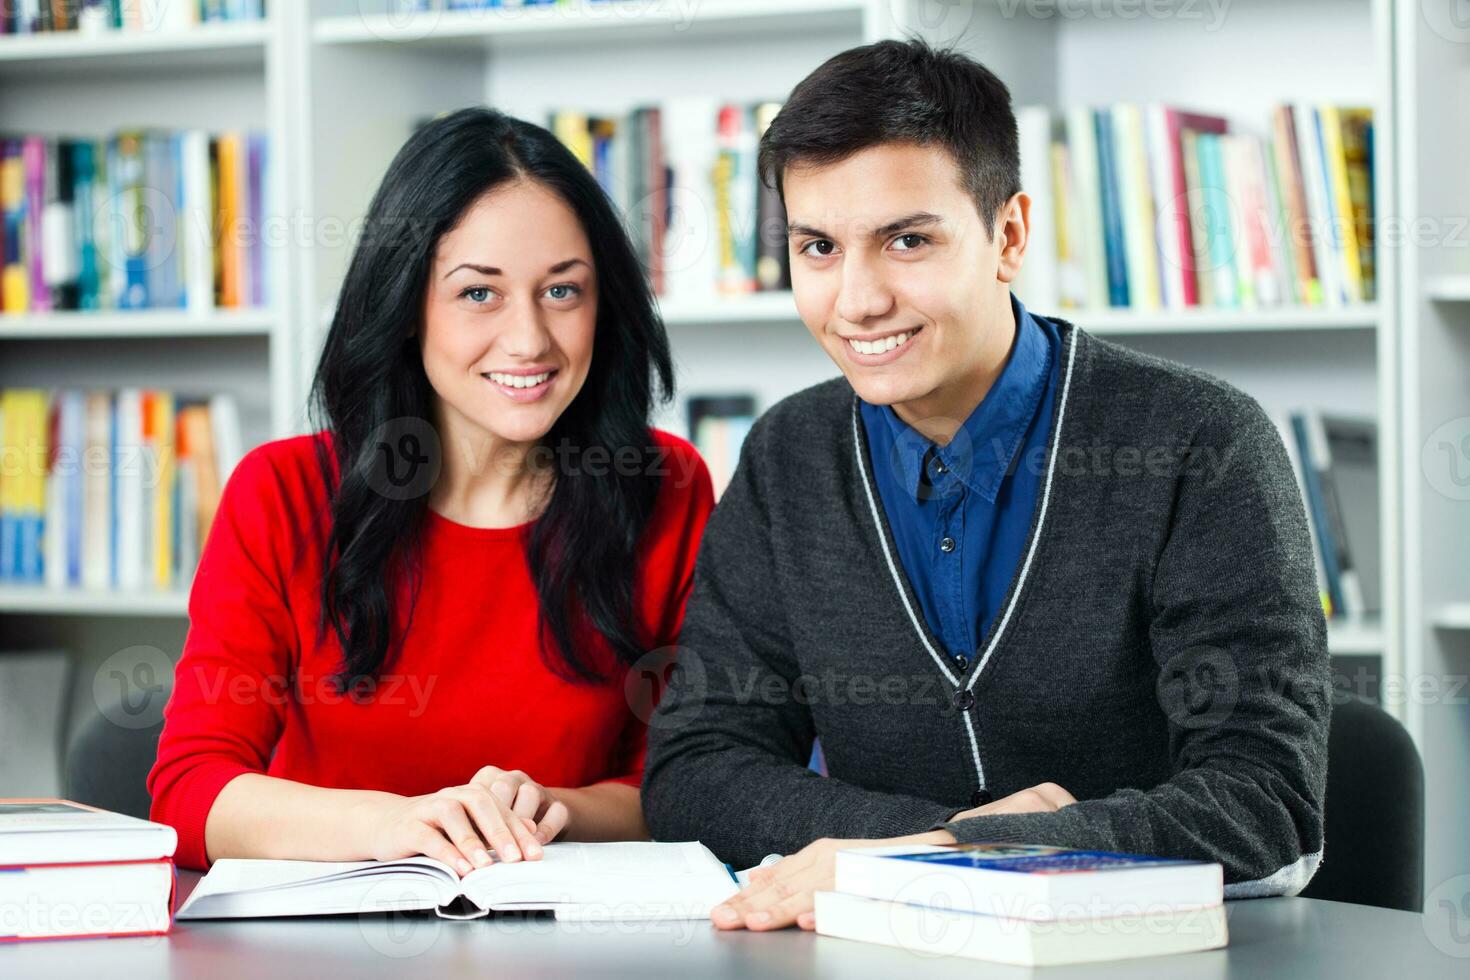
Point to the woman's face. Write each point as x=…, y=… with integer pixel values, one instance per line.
x=509, y=316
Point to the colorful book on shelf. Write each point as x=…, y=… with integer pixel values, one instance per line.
x=15, y=283
x=1151, y=207
x=125, y=487
x=130, y=223
x=773, y=261
x=735, y=200
x=1136, y=207
x=99, y=16
x=1112, y=209
x=718, y=425
x=683, y=176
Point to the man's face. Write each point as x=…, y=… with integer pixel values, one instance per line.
x=896, y=276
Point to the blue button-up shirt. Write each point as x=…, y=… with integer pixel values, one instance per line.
x=961, y=513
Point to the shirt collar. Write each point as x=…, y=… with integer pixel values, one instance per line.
x=982, y=450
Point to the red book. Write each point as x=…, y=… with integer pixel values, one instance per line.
x=70, y=871
x=1175, y=121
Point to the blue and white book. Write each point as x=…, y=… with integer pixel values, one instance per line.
x=1029, y=881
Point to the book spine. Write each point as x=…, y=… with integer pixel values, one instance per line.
x=1117, y=262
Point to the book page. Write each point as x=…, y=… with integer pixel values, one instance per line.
x=229, y=875
x=618, y=880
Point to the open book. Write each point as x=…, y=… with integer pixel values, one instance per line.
x=636, y=880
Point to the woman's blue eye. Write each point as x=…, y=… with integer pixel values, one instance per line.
x=567, y=291
x=476, y=294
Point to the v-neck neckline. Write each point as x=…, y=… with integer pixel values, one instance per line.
x=965, y=680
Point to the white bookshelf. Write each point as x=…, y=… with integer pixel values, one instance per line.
x=70, y=53
x=339, y=88
x=143, y=324
x=597, y=24
x=1433, y=362
x=1453, y=616
x=42, y=601
x=1448, y=288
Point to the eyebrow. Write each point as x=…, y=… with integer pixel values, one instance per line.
x=918, y=219
x=490, y=270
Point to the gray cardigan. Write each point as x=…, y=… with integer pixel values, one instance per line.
x=1161, y=652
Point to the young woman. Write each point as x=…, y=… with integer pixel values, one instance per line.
x=410, y=632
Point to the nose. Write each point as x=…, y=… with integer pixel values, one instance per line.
x=863, y=294
x=524, y=334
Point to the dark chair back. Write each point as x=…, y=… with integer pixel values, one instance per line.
x=107, y=765
x=1375, y=812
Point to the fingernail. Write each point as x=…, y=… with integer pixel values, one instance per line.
x=532, y=851
x=540, y=836
x=482, y=857
x=464, y=867
x=760, y=918
x=726, y=914
x=511, y=853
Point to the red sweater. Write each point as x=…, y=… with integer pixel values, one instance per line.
x=252, y=691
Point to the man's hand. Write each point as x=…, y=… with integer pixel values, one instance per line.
x=1041, y=798
x=781, y=895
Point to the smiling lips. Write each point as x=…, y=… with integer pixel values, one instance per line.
x=881, y=350
x=520, y=387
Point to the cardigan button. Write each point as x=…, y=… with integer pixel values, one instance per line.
x=981, y=797
x=947, y=545
x=963, y=700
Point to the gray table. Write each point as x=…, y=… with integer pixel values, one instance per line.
x=1278, y=937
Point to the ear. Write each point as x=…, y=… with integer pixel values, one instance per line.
x=1012, y=234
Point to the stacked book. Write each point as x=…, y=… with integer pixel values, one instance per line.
x=140, y=220
x=683, y=175
x=1024, y=904
x=98, y=16
x=68, y=870
x=110, y=490
x=1151, y=207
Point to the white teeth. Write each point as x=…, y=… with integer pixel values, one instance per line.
x=518, y=380
x=882, y=346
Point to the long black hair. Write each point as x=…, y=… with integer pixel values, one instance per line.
x=370, y=384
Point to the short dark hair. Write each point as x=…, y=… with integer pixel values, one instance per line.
x=901, y=92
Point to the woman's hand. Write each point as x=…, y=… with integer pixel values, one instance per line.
x=458, y=825
x=527, y=799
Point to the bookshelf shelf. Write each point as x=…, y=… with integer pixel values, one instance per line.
x=142, y=324
x=43, y=601
x=777, y=307
x=209, y=45
x=1449, y=289
x=589, y=23
x=780, y=307
x=1455, y=616
x=1197, y=320
x=1360, y=635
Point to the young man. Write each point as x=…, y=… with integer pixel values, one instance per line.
x=1025, y=585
